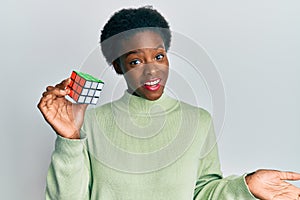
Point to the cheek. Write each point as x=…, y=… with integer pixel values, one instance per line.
x=133, y=76
x=165, y=70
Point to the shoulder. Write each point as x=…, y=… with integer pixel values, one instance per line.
x=202, y=113
x=101, y=110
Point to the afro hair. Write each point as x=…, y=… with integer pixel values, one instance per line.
x=131, y=21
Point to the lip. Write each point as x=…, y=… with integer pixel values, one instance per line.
x=152, y=84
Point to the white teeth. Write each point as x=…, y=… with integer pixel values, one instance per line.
x=153, y=82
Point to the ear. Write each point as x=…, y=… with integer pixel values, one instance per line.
x=117, y=66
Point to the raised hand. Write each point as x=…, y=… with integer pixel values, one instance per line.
x=64, y=117
x=272, y=185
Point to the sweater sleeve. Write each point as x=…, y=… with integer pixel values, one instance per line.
x=69, y=172
x=212, y=186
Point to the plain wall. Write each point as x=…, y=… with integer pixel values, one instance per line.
x=254, y=44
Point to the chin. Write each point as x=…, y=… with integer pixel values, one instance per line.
x=152, y=96
x=149, y=95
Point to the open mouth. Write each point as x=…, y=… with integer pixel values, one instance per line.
x=153, y=84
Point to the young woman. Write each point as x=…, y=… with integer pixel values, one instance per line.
x=154, y=144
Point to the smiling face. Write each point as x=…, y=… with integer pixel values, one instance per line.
x=145, y=66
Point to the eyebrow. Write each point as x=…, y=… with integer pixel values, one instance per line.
x=139, y=50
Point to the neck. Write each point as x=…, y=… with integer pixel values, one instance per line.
x=135, y=104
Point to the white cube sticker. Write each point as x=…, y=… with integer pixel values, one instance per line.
x=88, y=99
x=81, y=99
x=94, y=85
x=84, y=92
x=91, y=93
x=88, y=84
x=97, y=93
x=100, y=86
x=95, y=100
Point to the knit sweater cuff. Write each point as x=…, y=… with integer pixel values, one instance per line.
x=243, y=187
x=69, y=147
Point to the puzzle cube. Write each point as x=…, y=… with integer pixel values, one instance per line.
x=85, y=88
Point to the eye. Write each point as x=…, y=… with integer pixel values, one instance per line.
x=135, y=62
x=159, y=56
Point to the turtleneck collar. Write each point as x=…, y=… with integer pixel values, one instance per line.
x=139, y=106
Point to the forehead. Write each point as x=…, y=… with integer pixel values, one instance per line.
x=141, y=40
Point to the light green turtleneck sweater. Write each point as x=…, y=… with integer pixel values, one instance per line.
x=136, y=149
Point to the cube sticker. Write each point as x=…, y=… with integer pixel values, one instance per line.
x=85, y=88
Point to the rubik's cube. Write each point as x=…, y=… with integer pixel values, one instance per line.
x=85, y=88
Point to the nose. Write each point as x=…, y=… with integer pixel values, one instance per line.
x=150, y=69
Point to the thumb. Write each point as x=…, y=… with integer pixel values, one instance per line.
x=83, y=107
x=290, y=176
x=79, y=109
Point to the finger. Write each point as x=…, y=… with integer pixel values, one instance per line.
x=295, y=189
x=43, y=104
x=63, y=85
x=49, y=102
x=47, y=97
x=56, y=92
x=46, y=93
x=49, y=88
x=292, y=191
x=291, y=176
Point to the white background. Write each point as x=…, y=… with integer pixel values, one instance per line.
x=254, y=44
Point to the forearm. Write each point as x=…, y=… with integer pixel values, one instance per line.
x=68, y=175
x=211, y=185
x=214, y=187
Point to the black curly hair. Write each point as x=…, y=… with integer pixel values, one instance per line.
x=131, y=21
